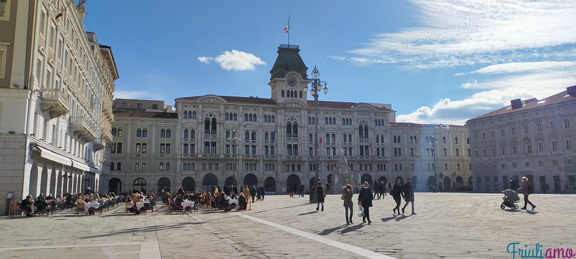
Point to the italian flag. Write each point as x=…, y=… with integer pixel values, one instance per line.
x=287, y=28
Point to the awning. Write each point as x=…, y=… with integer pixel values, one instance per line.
x=49, y=155
x=80, y=165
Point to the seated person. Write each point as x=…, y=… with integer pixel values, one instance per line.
x=242, y=204
x=40, y=202
x=27, y=205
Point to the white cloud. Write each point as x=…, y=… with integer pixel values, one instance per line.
x=497, y=94
x=467, y=32
x=205, y=59
x=525, y=67
x=235, y=60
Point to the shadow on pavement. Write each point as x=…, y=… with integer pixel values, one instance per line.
x=330, y=230
x=307, y=213
x=351, y=228
x=388, y=218
x=136, y=230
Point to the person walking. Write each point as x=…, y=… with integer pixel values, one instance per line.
x=320, y=194
x=397, y=194
x=347, y=195
x=365, y=200
x=408, y=195
x=526, y=189
x=246, y=192
x=301, y=190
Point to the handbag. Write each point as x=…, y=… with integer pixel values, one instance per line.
x=361, y=211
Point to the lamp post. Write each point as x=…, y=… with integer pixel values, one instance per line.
x=317, y=85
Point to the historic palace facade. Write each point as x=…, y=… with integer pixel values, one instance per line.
x=531, y=138
x=279, y=142
x=56, y=93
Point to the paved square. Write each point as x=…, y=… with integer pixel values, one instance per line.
x=447, y=225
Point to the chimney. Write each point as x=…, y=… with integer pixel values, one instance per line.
x=516, y=104
x=571, y=90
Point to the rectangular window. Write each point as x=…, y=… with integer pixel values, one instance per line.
x=566, y=123
x=554, y=145
x=3, y=51
x=552, y=125
x=4, y=10
x=568, y=145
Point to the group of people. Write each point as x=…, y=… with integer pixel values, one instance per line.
x=49, y=203
x=399, y=191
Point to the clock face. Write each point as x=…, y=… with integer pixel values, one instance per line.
x=292, y=80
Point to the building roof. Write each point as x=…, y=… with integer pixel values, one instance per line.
x=560, y=97
x=288, y=60
x=145, y=114
x=417, y=125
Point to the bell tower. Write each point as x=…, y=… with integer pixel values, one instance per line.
x=288, y=75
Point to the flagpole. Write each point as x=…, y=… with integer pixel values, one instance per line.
x=289, y=31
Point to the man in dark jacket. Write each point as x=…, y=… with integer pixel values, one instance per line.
x=408, y=194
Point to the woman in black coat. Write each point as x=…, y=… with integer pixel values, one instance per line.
x=397, y=194
x=365, y=200
x=320, y=194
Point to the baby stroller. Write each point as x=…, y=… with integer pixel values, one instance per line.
x=510, y=199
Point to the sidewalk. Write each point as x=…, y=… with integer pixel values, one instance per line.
x=448, y=225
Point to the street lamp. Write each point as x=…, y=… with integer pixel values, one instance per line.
x=317, y=86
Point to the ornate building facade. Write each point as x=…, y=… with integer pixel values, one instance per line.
x=531, y=138
x=225, y=140
x=56, y=92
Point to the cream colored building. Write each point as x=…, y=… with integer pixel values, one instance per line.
x=56, y=92
x=221, y=140
x=531, y=138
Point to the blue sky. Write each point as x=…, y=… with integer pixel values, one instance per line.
x=434, y=61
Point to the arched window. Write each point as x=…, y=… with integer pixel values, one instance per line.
x=253, y=135
x=185, y=133
x=194, y=115
x=185, y=114
x=192, y=133
x=144, y=133
x=162, y=133
x=120, y=132
x=118, y=166
x=245, y=116
x=114, y=132
x=137, y=166
x=282, y=93
x=112, y=166
x=138, y=132
x=167, y=166
x=168, y=133
x=143, y=166
x=247, y=135
x=161, y=167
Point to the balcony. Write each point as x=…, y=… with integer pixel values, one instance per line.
x=55, y=102
x=82, y=128
x=98, y=145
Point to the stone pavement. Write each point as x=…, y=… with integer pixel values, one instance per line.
x=447, y=225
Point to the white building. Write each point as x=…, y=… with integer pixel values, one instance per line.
x=56, y=87
x=220, y=140
x=531, y=138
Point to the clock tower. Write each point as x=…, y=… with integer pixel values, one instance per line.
x=288, y=75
